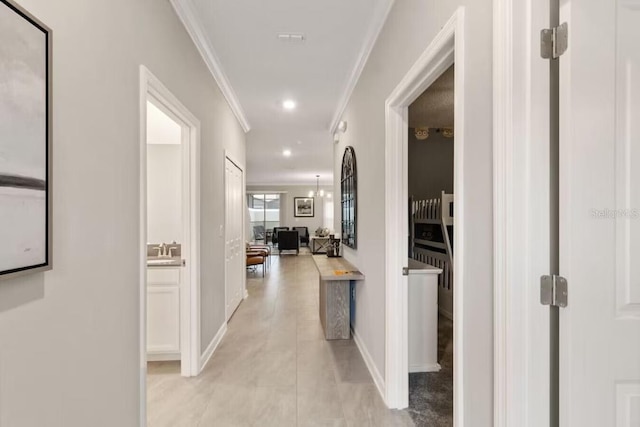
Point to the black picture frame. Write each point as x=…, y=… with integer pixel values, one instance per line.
x=303, y=207
x=26, y=174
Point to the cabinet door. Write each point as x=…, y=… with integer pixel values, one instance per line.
x=163, y=319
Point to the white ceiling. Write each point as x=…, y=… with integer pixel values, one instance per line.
x=263, y=71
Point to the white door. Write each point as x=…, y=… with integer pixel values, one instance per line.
x=600, y=214
x=234, y=245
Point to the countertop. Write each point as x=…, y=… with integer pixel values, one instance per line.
x=164, y=262
x=336, y=268
x=417, y=267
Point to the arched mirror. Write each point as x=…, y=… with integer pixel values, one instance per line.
x=349, y=193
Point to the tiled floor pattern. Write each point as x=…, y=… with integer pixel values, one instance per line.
x=431, y=393
x=273, y=367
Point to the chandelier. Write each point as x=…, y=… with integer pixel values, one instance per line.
x=318, y=192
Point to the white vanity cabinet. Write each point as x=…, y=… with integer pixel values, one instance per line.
x=163, y=313
x=423, y=317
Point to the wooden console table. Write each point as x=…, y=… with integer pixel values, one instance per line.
x=336, y=276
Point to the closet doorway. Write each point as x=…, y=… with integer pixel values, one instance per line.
x=234, y=235
x=426, y=224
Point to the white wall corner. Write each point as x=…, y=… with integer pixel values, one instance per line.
x=380, y=15
x=211, y=348
x=188, y=15
x=378, y=379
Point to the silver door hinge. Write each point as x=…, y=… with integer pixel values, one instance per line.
x=553, y=291
x=554, y=41
x=405, y=271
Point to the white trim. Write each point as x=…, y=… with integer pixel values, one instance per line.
x=142, y=249
x=163, y=357
x=188, y=16
x=446, y=49
x=213, y=345
x=521, y=234
x=152, y=88
x=432, y=367
x=502, y=224
x=380, y=15
x=378, y=379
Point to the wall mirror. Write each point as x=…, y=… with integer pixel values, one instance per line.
x=349, y=193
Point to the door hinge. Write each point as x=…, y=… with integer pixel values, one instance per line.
x=553, y=291
x=554, y=41
x=405, y=271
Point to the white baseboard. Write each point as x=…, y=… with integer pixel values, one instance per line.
x=204, y=358
x=378, y=379
x=162, y=357
x=434, y=367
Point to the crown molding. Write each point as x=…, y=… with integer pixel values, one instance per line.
x=380, y=15
x=188, y=16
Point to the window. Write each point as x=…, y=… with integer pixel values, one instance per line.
x=264, y=214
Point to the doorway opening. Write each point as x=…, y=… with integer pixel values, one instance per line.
x=438, y=208
x=169, y=235
x=264, y=216
x=431, y=229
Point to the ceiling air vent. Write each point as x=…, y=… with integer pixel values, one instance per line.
x=291, y=37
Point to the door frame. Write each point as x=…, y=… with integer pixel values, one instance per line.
x=152, y=89
x=521, y=196
x=229, y=156
x=446, y=49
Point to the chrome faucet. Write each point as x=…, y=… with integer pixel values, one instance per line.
x=162, y=250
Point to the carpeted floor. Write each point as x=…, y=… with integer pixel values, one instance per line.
x=431, y=393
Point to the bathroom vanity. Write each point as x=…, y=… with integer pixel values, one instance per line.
x=164, y=275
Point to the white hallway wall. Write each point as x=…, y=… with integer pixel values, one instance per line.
x=69, y=337
x=409, y=29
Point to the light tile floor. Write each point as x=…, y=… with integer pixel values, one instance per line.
x=273, y=367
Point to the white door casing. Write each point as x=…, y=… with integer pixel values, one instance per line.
x=151, y=88
x=521, y=197
x=234, y=242
x=446, y=48
x=599, y=214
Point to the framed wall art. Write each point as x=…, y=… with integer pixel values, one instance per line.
x=303, y=207
x=25, y=142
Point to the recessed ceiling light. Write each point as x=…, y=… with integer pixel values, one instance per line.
x=286, y=153
x=289, y=104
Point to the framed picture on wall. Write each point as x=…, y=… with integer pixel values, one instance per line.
x=303, y=207
x=25, y=142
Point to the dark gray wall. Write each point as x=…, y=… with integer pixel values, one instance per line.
x=430, y=165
